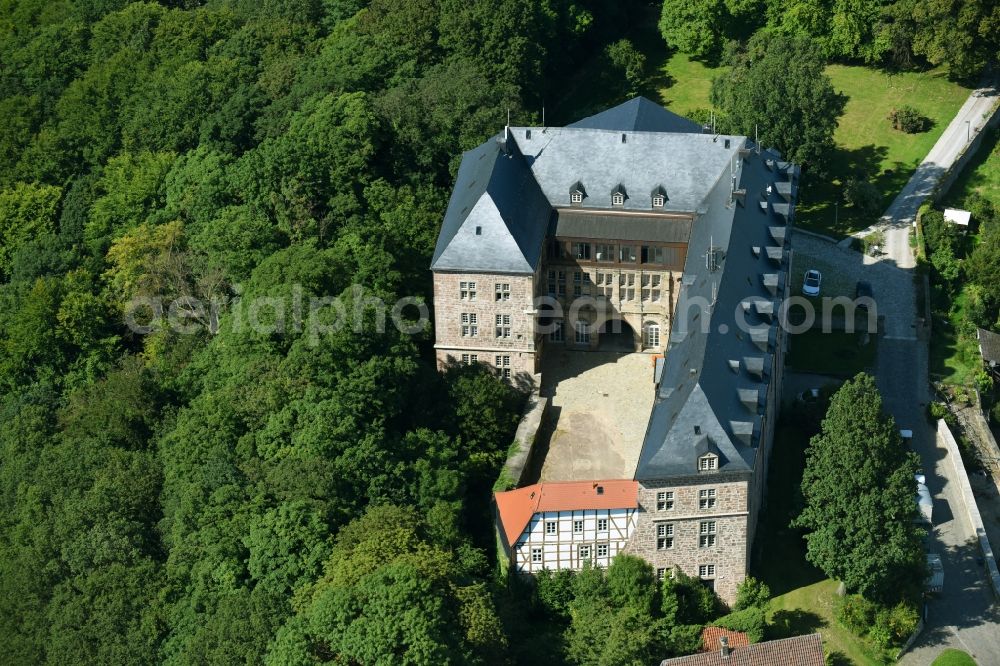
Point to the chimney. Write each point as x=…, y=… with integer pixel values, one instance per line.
x=724, y=644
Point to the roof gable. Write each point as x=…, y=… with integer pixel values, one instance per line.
x=638, y=115
x=516, y=507
x=495, y=193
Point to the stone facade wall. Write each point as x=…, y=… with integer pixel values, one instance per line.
x=637, y=296
x=729, y=555
x=449, y=306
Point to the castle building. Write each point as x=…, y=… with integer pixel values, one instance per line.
x=639, y=226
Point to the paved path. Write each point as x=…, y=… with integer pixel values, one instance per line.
x=964, y=616
x=899, y=217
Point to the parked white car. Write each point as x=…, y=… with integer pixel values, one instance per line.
x=810, y=285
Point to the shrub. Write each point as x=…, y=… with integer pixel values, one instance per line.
x=872, y=239
x=907, y=119
x=554, y=590
x=864, y=196
x=937, y=411
x=752, y=593
x=903, y=620
x=749, y=620
x=857, y=613
x=879, y=633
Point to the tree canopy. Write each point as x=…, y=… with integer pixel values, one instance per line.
x=776, y=90
x=209, y=491
x=859, y=493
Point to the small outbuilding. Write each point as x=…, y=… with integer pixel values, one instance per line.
x=989, y=347
x=958, y=216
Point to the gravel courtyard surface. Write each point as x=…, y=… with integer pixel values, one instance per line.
x=596, y=420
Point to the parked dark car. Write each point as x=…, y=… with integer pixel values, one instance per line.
x=864, y=290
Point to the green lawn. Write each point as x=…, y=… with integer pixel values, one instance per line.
x=954, y=350
x=982, y=175
x=837, y=354
x=868, y=147
x=952, y=657
x=683, y=85
x=805, y=599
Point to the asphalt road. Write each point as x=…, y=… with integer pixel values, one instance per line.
x=964, y=616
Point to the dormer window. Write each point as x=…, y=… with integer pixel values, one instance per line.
x=708, y=463
x=618, y=196
x=659, y=196
x=576, y=197
x=577, y=193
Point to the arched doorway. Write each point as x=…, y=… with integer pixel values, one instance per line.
x=651, y=336
x=616, y=335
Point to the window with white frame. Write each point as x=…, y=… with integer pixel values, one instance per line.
x=664, y=536
x=577, y=527
x=665, y=500
x=617, y=199
x=467, y=291
x=551, y=527
x=469, y=359
x=557, y=334
x=503, y=291
x=576, y=196
x=657, y=201
x=536, y=555
x=708, y=463
x=602, y=550
x=470, y=324
x=584, y=551
x=581, y=250
x=652, y=335
x=582, y=333
x=626, y=253
x=503, y=325
x=503, y=366
x=604, y=252
x=706, y=571
x=602, y=524
x=706, y=498
x=706, y=534
x=577, y=283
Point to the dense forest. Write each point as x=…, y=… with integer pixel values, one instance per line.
x=190, y=489
x=211, y=493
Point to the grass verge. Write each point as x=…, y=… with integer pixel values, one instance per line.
x=954, y=350
x=837, y=354
x=952, y=657
x=981, y=175
x=805, y=600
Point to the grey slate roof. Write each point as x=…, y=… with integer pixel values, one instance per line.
x=712, y=366
x=685, y=165
x=989, y=346
x=496, y=192
x=572, y=222
x=638, y=115
x=516, y=191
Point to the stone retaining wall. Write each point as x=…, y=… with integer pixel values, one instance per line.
x=519, y=460
x=975, y=519
x=949, y=177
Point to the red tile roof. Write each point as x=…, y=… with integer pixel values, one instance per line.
x=710, y=638
x=796, y=651
x=516, y=507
